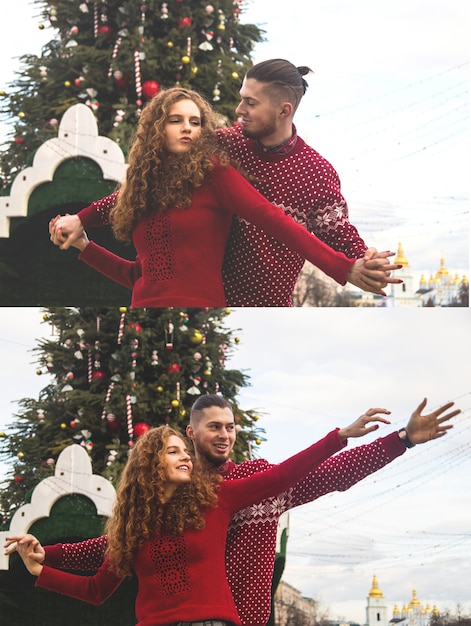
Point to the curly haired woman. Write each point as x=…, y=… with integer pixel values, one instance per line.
x=177, y=205
x=169, y=526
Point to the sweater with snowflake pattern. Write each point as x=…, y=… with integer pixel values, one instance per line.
x=251, y=538
x=182, y=577
x=259, y=271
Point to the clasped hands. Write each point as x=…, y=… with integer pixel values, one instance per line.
x=373, y=271
x=67, y=231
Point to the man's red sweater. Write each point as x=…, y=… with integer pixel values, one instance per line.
x=258, y=270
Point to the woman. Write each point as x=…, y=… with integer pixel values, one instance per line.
x=169, y=526
x=177, y=205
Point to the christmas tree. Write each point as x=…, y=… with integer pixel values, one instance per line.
x=116, y=373
x=114, y=55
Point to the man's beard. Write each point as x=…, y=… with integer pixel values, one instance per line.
x=263, y=131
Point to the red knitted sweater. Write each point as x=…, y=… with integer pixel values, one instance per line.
x=181, y=251
x=182, y=577
x=259, y=271
x=251, y=539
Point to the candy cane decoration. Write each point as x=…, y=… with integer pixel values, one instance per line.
x=90, y=366
x=121, y=328
x=95, y=20
x=137, y=73
x=129, y=416
x=114, y=55
x=107, y=399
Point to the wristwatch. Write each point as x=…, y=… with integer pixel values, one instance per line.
x=402, y=432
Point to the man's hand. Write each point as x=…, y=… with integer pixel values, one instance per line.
x=373, y=272
x=423, y=428
x=29, y=549
x=65, y=230
x=360, y=427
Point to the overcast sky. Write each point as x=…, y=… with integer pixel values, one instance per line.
x=388, y=105
x=312, y=370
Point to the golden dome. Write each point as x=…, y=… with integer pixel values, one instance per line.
x=435, y=610
x=414, y=601
x=442, y=271
x=400, y=258
x=395, y=610
x=375, y=591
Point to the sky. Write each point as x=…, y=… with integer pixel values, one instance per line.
x=312, y=370
x=387, y=105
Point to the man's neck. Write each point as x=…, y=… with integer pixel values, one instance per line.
x=277, y=139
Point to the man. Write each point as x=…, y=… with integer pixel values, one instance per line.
x=290, y=174
x=251, y=540
x=258, y=270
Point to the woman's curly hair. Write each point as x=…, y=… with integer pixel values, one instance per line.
x=140, y=512
x=157, y=180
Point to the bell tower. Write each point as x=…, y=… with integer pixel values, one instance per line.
x=376, y=610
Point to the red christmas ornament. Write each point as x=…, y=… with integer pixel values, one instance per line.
x=18, y=479
x=150, y=88
x=173, y=368
x=106, y=31
x=113, y=422
x=185, y=21
x=140, y=429
x=19, y=140
x=120, y=80
x=99, y=375
x=135, y=326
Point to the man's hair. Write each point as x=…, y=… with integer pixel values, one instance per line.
x=206, y=402
x=283, y=80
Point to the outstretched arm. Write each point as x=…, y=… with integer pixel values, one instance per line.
x=280, y=477
x=93, y=589
x=65, y=230
x=344, y=470
x=85, y=555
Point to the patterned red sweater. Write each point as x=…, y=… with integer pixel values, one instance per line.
x=182, y=577
x=181, y=251
x=259, y=271
x=251, y=539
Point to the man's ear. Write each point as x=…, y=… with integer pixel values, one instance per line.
x=190, y=432
x=286, y=109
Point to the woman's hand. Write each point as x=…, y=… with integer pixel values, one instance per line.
x=363, y=425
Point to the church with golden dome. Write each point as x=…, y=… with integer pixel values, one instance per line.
x=440, y=289
x=412, y=613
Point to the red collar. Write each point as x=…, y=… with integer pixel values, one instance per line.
x=281, y=148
